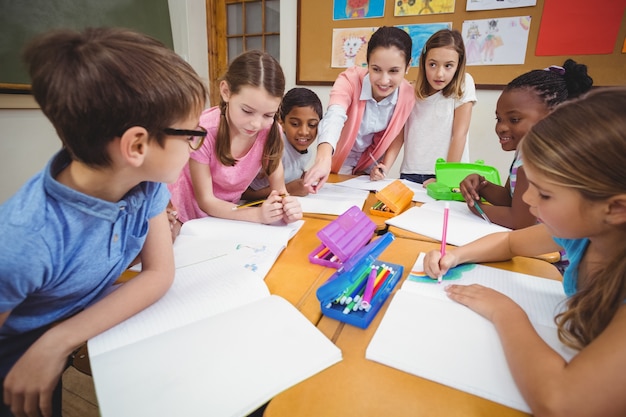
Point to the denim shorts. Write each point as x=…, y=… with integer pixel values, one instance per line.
x=420, y=178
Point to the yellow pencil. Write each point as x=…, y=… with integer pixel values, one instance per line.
x=255, y=203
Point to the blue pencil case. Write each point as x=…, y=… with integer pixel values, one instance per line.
x=338, y=295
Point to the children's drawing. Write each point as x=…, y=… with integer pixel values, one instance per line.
x=350, y=47
x=452, y=274
x=498, y=4
x=472, y=44
x=419, y=35
x=252, y=267
x=358, y=9
x=492, y=41
x=254, y=248
x=422, y=7
x=496, y=41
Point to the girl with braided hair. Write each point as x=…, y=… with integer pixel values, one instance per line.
x=523, y=102
x=243, y=136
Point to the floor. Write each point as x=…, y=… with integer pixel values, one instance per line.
x=79, y=395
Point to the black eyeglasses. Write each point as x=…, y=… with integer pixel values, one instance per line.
x=194, y=138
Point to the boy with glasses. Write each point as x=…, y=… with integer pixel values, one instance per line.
x=120, y=102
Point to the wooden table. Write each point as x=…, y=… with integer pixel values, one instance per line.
x=294, y=277
x=359, y=387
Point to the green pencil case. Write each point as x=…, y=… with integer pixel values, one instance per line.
x=450, y=174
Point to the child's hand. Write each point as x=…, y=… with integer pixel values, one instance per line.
x=470, y=188
x=483, y=300
x=172, y=218
x=379, y=172
x=292, y=210
x=436, y=266
x=272, y=208
x=297, y=188
x=29, y=385
x=428, y=181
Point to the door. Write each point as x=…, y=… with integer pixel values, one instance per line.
x=236, y=26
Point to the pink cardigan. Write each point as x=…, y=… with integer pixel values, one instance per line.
x=346, y=92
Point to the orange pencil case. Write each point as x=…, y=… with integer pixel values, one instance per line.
x=392, y=200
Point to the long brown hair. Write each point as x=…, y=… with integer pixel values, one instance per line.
x=444, y=38
x=582, y=145
x=256, y=69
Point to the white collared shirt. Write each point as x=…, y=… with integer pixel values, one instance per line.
x=375, y=119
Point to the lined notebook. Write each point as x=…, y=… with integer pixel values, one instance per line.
x=217, y=343
x=426, y=334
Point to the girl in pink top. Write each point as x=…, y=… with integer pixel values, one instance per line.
x=243, y=136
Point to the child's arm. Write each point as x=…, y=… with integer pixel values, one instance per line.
x=269, y=212
x=591, y=383
x=474, y=187
x=295, y=187
x=389, y=158
x=33, y=377
x=507, y=211
x=259, y=194
x=517, y=215
x=317, y=176
x=460, y=127
x=531, y=241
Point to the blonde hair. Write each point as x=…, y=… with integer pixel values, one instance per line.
x=444, y=38
x=582, y=145
x=256, y=69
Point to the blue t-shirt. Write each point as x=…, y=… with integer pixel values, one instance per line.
x=575, y=249
x=60, y=250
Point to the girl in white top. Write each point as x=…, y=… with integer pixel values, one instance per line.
x=439, y=122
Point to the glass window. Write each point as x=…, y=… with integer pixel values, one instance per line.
x=272, y=16
x=254, y=18
x=253, y=24
x=235, y=23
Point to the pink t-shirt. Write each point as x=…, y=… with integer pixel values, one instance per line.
x=229, y=182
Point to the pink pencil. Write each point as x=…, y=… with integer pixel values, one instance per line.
x=446, y=210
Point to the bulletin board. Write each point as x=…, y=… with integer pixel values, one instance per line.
x=20, y=20
x=315, y=32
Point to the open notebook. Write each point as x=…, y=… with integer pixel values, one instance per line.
x=427, y=219
x=363, y=182
x=217, y=343
x=332, y=199
x=426, y=334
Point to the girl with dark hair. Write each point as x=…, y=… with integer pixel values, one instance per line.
x=367, y=110
x=525, y=100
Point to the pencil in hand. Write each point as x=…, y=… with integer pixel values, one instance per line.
x=376, y=164
x=481, y=212
x=256, y=202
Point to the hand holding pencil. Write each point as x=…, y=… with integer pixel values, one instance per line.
x=275, y=207
x=379, y=171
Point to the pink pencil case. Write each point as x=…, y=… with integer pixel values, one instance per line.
x=342, y=238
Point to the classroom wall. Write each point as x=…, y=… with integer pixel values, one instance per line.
x=27, y=139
